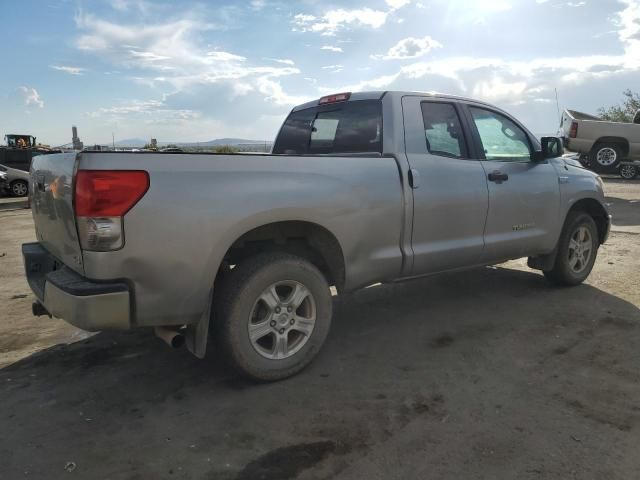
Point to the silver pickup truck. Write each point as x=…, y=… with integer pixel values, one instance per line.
x=602, y=144
x=360, y=188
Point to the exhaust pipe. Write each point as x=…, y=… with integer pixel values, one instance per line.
x=171, y=337
x=39, y=310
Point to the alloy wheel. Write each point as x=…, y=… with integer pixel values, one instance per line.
x=580, y=249
x=282, y=320
x=19, y=189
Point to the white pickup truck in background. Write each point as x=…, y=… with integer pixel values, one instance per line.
x=603, y=145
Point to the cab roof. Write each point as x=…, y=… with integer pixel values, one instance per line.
x=378, y=94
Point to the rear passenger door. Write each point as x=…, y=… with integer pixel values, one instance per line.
x=449, y=188
x=524, y=195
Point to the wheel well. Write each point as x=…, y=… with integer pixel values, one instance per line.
x=595, y=209
x=306, y=239
x=623, y=142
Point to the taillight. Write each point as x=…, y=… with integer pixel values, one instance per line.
x=338, y=97
x=102, y=198
x=573, y=133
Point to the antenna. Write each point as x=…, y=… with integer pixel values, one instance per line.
x=558, y=105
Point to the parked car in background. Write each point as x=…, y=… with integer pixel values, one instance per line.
x=603, y=145
x=3, y=181
x=629, y=170
x=361, y=188
x=17, y=182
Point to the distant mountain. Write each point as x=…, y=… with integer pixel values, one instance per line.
x=139, y=142
x=130, y=142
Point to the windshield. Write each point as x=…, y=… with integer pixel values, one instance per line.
x=348, y=127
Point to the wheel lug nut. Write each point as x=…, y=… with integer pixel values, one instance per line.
x=277, y=309
x=292, y=321
x=289, y=309
x=281, y=330
x=272, y=323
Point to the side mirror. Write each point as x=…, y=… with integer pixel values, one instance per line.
x=551, y=148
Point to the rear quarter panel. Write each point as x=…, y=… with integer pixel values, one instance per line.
x=198, y=205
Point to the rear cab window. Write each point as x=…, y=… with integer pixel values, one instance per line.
x=346, y=127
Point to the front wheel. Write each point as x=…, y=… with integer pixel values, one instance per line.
x=20, y=188
x=577, y=250
x=272, y=315
x=628, y=171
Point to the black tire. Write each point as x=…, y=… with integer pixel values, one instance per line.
x=562, y=272
x=612, y=153
x=234, y=308
x=19, y=188
x=628, y=172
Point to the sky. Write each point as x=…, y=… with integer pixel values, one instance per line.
x=196, y=71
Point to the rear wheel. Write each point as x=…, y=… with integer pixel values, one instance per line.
x=273, y=315
x=605, y=157
x=577, y=250
x=628, y=171
x=19, y=188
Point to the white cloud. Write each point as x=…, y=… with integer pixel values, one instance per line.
x=126, y=5
x=410, y=47
x=497, y=89
x=147, y=111
x=498, y=80
x=496, y=5
x=274, y=93
x=397, y=4
x=284, y=61
x=333, y=68
x=31, y=96
x=334, y=20
x=629, y=33
x=258, y=5
x=69, y=70
x=331, y=48
x=170, y=55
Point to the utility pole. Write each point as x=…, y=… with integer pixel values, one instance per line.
x=558, y=106
x=113, y=140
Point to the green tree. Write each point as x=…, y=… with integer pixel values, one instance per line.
x=623, y=112
x=225, y=149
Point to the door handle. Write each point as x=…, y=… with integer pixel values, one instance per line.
x=498, y=177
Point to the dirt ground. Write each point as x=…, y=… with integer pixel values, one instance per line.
x=487, y=374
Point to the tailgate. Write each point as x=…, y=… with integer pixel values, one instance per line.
x=52, y=207
x=565, y=124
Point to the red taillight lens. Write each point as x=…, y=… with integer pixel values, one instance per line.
x=573, y=133
x=338, y=97
x=108, y=193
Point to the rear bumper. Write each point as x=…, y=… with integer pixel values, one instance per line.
x=86, y=304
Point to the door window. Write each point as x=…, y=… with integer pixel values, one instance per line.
x=442, y=130
x=501, y=138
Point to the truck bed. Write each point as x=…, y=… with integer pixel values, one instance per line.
x=197, y=205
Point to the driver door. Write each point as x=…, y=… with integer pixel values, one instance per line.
x=524, y=195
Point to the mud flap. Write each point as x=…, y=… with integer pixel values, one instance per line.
x=197, y=334
x=543, y=262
